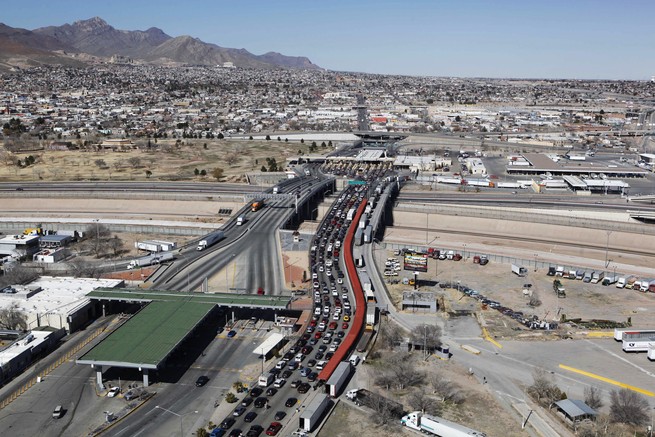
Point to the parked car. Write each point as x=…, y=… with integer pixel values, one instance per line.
x=250, y=417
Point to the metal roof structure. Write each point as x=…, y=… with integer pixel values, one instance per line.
x=575, y=409
x=540, y=163
x=146, y=339
x=151, y=335
x=221, y=299
x=267, y=345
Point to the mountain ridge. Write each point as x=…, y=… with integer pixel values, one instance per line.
x=94, y=37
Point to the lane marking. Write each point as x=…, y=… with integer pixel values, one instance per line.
x=600, y=334
x=619, y=357
x=487, y=337
x=607, y=380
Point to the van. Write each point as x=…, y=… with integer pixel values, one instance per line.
x=59, y=411
x=266, y=380
x=241, y=220
x=354, y=360
x=621, y=282
x=321, y=364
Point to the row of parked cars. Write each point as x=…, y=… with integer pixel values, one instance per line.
x=594, y=277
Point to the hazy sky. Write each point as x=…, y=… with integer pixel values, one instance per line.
x=584, y=39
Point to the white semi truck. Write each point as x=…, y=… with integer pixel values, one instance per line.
x=210, y=239
x=437, y=426
x=149, y=260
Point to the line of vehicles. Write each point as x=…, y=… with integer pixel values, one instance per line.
x=595, y=277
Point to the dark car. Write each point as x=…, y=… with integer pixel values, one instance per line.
x=202, y=380
x=256, y=391
x=296, y=383
x=303, y=388
x=254, y=431
x=239, y=411
x=271, y=391
x=291, y=402
x=227, y=423
x=231, y=334
x=236, y=432
x=318, y=356
x=312, y=377
x=250, y=417
x=246, y=401
x=287, y=374
x=261, y=402
x=280, y=415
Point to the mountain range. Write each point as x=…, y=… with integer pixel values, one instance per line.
x=93, y=39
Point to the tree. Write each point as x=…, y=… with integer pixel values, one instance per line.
x=279, y=139
x=268, y=138
x=100, y=163
x=12, y=318
x=419, y=400
x=203, y=172
x=592, y=397
x=220, y=136
x=196, y=171
x=627, y=406
x=115, y=245
x=302, y=141
x=448, y=391
x=426, y=337
x=231, y=158
x=134, y=161
x=217, y=173
x=263, y=169
x=148, y=174
x=543, y=390
x=202, y=432
x=390, y=336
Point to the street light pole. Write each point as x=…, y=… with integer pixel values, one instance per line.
x=607, y=245
x=181, y=416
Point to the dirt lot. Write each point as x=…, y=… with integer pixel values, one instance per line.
x=169, y=161
x=497, y=282
x=479, y=406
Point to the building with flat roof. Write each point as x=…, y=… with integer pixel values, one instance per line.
x=20, y=354
x=58, y=302
x=19, y=246
x=538, y=164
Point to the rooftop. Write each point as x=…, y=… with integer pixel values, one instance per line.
x=149, y=337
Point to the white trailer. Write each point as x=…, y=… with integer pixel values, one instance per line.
x=651, y=351
x=150, y=246
x=210, y=239
x=641, y=345
x=312, y=415
x=149, y=260
x=437, y=426
x=351, y=214
x=370, y=315
x=339, y=378
x=368, y=234
x=518, y=270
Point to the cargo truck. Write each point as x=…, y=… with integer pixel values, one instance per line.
x=351, y=214
x=597, y=276
x=311, y=416
x=210, y=239
x=437, y=426
x=609, y=280
x=368, y=234
x=241, y=220
x=518, y=270
x=256, y=205
x=149, y=260
x=651, y=351
x=339, y=378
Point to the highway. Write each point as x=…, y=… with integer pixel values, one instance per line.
x=251, y=249
x=117, y=187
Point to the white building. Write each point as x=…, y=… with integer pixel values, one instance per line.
x=475, y=166
x=56, y=302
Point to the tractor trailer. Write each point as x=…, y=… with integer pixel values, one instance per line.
x=437, y=426
x=150, y=260
x=210, y=239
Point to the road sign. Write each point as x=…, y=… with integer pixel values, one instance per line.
x=356, y=182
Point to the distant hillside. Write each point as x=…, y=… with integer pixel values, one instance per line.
x=70, y=43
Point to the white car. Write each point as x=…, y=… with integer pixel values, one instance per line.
x=113, y=392
x=336, y=316
x=339, y=281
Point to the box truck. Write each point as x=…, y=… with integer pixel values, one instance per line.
x=518, y=270
x=437, y=426
x=149, y=260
